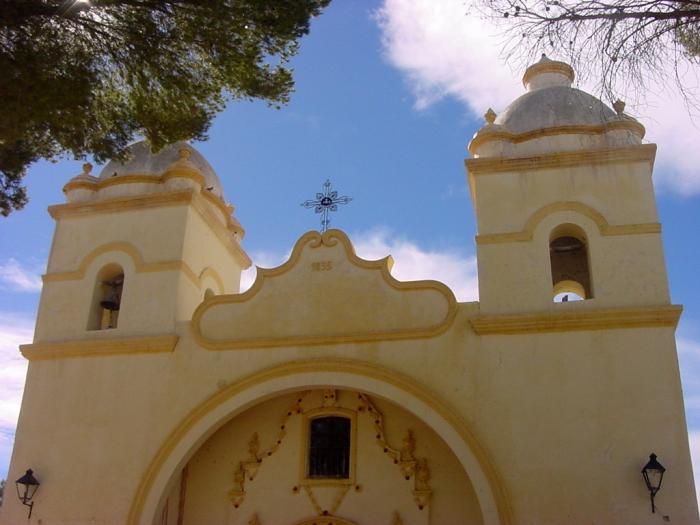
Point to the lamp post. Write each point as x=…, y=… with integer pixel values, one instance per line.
x=653, y=473
x=26, y=487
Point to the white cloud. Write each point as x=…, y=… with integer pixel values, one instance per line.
x=411, y=262
x=445, y=53
x=14, y=330
x=16, y=277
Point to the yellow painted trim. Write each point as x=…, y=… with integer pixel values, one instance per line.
x=211, y=272
x=396, y=379
x=223, y=232
x=315, y=239
x=605, y=228
x=325, y=520
x=314, y=413
x=576, y=320
x=486, y=135
x=99, y=347
x=488, y=165
x=550, y=66
x=140, y=266
x=149, y=200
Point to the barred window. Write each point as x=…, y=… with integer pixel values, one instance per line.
x=329, y=447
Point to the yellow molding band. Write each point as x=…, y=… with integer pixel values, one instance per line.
x=315, y=239
x=488, y=135
x=488, y=165
x=139, y=265
x=605, y=228
x=222, y=230
x=99, y=347
x=568, y=321
x=372, y=371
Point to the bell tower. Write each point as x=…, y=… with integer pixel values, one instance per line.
x=138, y=247
x=562, y=188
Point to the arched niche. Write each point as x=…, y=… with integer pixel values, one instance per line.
x=569, y=263
x=213, y=413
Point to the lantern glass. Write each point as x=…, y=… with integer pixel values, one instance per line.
x=26, y=486
x=653, y=473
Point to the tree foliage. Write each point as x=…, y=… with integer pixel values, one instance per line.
x=85, y=77
x=631, y=43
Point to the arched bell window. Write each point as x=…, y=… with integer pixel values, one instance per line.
x=568, y=255
x=329, y=448
x=107, y=298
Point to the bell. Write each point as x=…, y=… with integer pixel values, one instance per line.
x=111, y=303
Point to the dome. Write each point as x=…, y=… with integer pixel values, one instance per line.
x=142, y=161
x=551, y=101
x=553, y=107
x=554, y=116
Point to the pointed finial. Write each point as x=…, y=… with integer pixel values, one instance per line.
x=490, y=116
x=184, y=152
x=619, y=107
x=87, y=168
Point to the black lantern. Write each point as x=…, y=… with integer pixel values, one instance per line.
x=26, y=487
x=653, y=473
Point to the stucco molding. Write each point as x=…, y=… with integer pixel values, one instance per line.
x=99, y=347
x=570, y=321
x=416, y=328
x=140, y=266
x=489, y=165
x=604, y=227
x=224, y=227
x=493, y=498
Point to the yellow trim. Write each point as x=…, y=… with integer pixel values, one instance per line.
x=315, y=239
x=548, y=66
x=605, y=228
x=99, y=347
x=488, y=165
x=486, y=135
x=211, y=272
x=149, y=200
x=325, y=520
x=304, y=480
x=396, y=379
x=573, y=320
x=139, y=265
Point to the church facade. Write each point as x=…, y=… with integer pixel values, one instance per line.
x=330, y=393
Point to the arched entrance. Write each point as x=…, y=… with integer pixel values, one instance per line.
x=362, y=377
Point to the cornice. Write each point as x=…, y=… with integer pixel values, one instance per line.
x=571, y=321
x=604, y=227
x=99, y=347
x=489, y=165
x=153, y=200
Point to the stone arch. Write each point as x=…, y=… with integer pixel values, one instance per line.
x=211, y=414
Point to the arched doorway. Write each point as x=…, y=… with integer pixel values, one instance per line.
x=375, y=381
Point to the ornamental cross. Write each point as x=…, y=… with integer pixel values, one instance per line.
x=326, y=202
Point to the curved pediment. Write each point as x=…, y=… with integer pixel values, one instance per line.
x=324, y=294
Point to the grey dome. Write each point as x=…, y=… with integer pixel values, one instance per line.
x=143, y=162
x=554, y=106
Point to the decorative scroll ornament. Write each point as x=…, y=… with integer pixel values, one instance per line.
x=247, y=470
x=254, y=520
x=404, y=457
x=396, y=518
x=330, y=397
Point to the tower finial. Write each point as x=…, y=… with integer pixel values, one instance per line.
x=490, y=116
x=619, y=107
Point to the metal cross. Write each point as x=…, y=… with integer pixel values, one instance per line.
x=326, y=202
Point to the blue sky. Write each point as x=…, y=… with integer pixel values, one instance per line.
x=388, y=94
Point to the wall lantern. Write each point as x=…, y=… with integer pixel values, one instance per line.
x=653, y=473
x=26, y=487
